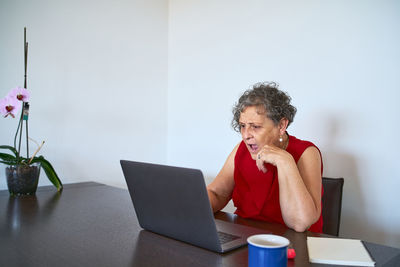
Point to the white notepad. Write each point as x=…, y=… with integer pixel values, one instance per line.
x=338, y=251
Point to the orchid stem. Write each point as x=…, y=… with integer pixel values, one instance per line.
x=27, y=139
x=26, y=87
x=20, y=130
x=15, y=137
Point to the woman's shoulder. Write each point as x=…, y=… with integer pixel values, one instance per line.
x=297, y=146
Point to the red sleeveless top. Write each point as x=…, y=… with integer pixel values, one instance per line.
x=256, y=194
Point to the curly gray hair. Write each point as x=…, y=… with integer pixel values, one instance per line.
x=267, y=95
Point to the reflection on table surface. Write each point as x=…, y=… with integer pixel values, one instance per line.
x=92, y=224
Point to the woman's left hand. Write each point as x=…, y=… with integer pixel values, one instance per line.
x=272, y=155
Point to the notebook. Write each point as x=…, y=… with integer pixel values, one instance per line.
x=339, y=251
x=173, y=202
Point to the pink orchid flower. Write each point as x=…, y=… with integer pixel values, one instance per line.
x=20, y=94
x=9, y=106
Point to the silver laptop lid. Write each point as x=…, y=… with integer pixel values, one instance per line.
x=172, y=201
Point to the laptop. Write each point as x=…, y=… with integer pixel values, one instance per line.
x=173, y=202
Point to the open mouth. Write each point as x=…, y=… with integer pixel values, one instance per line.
x=253, y=148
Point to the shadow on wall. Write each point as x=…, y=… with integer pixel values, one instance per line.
x=355, y=222
x=338, y=163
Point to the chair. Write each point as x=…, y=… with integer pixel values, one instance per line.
x=332, y=205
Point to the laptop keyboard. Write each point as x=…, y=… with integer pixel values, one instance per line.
x=224, y=237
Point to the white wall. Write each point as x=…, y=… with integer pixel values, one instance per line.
x=99, y=75
x=339, y=60
x=98, y=78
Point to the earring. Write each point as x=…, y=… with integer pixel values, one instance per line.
x=280, y=139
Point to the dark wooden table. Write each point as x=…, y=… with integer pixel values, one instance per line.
x=91, y=224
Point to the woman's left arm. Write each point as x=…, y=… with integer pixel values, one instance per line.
x=299, y=185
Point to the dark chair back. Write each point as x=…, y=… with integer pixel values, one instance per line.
x=332, y=205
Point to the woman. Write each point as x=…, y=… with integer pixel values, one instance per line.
x=270, y=175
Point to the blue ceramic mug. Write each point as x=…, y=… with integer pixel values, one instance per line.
x=267, y=250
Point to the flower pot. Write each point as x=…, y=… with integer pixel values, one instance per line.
x=22, y=179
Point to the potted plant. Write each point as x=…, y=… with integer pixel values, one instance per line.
x=22, y=173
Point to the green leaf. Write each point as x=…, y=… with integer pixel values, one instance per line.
x=50, y=172
x=10, y=148
x=8, y=159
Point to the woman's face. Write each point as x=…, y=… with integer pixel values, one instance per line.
x=257, y=130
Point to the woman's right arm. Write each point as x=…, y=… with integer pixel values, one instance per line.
x=220, y=190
